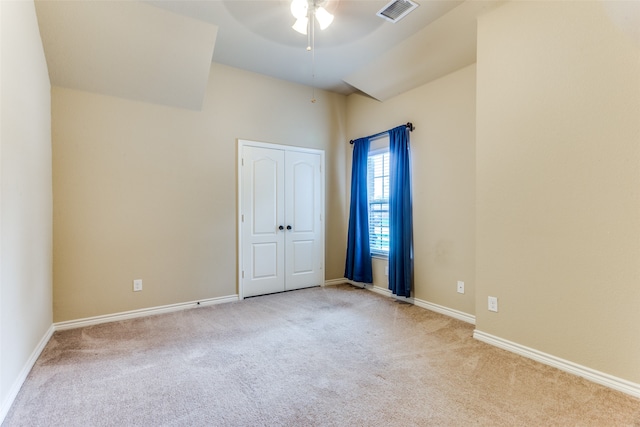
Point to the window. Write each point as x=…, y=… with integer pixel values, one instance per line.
x=378, y=197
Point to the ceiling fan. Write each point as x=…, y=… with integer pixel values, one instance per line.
x=305, y=11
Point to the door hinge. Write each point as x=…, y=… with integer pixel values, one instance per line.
x=242, y=218
x=243, y=274
x=242, y=161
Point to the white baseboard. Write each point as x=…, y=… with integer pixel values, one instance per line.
x=607, y=380
x=379, y=290
x=460, y=315
x=335, y=282
x=115, y=317
x=368, y=286
x=17, y=384
x=349, y=282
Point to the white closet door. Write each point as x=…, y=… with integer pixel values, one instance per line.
x=304, y=248
x=281, y=230
x=262, y=215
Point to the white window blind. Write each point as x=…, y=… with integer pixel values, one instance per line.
x=378, y=196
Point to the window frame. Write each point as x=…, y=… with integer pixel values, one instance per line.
x=379, y=146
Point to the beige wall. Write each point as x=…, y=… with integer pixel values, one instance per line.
x=550, y=193
x=25, y=195
x=443, y=162
x=558, y=180
x=144, y=191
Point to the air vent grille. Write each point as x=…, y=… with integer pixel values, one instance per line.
x=396, y=10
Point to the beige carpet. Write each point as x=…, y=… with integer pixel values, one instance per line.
x=334, y=356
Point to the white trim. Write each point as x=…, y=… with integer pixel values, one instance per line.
x=358, y=284
x=380, y=290
x=460, y=315
x=598, y=377
x=335, y=282
x=115, y=317
x=239, y=279
x=17, y=384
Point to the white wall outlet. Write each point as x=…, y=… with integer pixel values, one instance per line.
x=493, y=304
x=386, y=270
x=137, y=285
x=460, y=287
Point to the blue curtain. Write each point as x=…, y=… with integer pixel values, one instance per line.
x=400, y=213
x=358, y=265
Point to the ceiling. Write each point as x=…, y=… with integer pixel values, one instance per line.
x=160, y=51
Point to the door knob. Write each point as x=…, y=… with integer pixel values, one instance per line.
x=288, y=227
x=281, y=228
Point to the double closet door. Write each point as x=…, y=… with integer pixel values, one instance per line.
x=281, y=235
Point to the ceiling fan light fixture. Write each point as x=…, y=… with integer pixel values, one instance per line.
x=301, y=25
x=324, y=18
x=305, y=10
x=299, y=8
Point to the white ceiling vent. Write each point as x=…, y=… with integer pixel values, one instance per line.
x=396, y=10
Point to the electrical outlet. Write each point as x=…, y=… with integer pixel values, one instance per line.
x=493, y=304
x=137, y=285
x=460, y=287
x=386, y=270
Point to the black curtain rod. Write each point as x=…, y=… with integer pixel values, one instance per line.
x=409, y=125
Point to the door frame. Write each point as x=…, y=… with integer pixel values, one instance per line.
x=239, y=218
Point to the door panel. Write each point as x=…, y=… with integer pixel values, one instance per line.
x=265, y=261
x=265, y=195
x=303, y=195
x=263, y=211
x=303, y=256
x=303, y=243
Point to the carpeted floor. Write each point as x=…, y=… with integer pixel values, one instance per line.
x=333, y=356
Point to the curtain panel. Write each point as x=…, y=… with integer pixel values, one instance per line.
x=358, y=265
x=400, y=213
